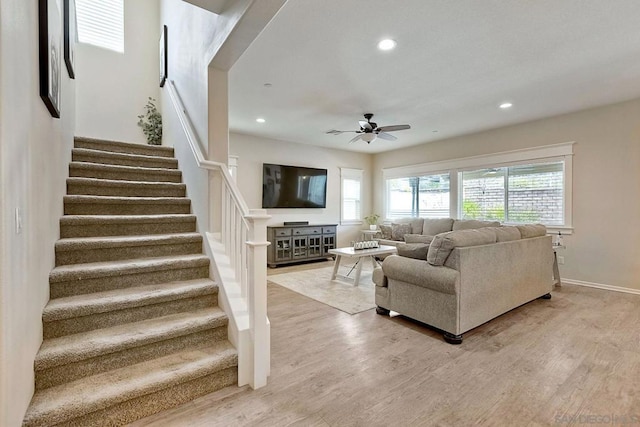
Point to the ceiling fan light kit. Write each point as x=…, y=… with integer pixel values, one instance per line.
x=370, y=131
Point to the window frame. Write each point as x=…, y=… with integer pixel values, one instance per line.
x=542, y=154
x=356, y=175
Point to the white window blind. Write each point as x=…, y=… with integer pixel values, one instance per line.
x=101, y=23
x=351, y=192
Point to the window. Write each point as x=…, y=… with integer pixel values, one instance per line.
x=351, y=191
x=520, y=186
x=101, y=23
x=516, y=194
x=419, y=196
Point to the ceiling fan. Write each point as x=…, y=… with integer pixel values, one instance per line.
x=369, y=130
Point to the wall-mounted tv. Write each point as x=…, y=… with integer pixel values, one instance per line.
x=293, y=187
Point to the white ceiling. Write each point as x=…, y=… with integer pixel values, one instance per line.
x=455, y=62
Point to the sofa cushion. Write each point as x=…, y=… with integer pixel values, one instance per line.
x=417, y=238
x=444, y=243
x=399, y=230
x=416, y=223
x=385, y=230
x=413, y=250
x=468, y=224
x=433, y=226
x=506, y=233
x=528, y=231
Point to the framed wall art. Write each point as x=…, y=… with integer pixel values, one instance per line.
x=50, y=47
x=70, y=36
x=163, y=56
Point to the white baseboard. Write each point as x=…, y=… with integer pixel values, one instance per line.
x=601, y=286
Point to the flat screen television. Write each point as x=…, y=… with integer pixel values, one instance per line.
x=293, y=187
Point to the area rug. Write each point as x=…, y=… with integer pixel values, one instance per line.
x=339, y=293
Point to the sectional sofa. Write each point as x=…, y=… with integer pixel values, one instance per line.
x=462, y=277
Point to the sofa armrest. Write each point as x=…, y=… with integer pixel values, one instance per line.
x=379, y=278
x=421, y=273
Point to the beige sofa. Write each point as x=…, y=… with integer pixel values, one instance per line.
x=468, y=277
x=413, y=230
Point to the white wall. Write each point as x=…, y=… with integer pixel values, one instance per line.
x=604, y=248
x=35, y=150
x=113, y=88
x=191, y=31
x=252, y=152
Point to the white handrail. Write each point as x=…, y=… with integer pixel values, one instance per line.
x=243, y=243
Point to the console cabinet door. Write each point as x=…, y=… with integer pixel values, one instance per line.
x=300, y=247
x=283, y=249
x=328, y=242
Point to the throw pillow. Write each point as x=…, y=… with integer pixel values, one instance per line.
x=417, y=238
x=413, y=250
x=416, y=223
x=399, y=230
x=386, y=231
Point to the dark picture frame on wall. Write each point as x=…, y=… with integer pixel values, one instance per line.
x=70, y=36
x=50, y=52
x=163, y=56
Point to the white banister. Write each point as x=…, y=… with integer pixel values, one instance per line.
x=239, y=252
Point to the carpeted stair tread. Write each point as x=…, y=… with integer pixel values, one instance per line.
x=75, y=399
x=86, y=345
x=122, y=147
x=102, y=302
x=107, y=200
x=124, y=267
x=83, y=169
x=124, y=159
x=103, y=242
x=138, y=188
x=119, y=225
x=123, y=205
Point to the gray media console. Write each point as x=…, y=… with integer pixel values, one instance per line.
x=293, y=243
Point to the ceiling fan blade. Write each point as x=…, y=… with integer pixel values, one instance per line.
x=386, y=136
x=364, y=124
x=357, y=137
x=338, y=132
x=393, y=128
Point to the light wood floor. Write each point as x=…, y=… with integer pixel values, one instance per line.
x=577, y=354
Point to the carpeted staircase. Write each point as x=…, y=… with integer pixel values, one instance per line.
x=132, y=326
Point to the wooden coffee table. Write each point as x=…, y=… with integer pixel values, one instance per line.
x=349, y=252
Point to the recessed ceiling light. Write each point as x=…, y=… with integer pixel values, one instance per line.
x=260, y=120
x=506, y=105
x=386, y=44
x=268, y=85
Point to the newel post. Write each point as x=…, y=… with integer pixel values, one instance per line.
x=257, y=291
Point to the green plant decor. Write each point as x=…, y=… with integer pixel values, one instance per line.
x=151, y=123
x=372, y=219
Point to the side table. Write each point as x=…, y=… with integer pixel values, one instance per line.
x=556, y=270
x=369, y=234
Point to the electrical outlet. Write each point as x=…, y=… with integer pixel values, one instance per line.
x=561, y=260
x=18, y=221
